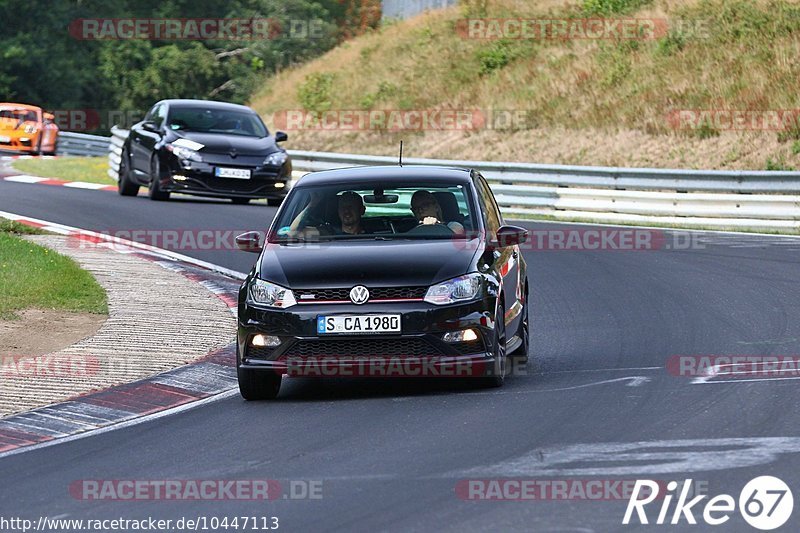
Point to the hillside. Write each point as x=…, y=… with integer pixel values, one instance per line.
x=611, y=101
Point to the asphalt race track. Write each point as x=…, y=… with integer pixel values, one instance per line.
x=596, y=402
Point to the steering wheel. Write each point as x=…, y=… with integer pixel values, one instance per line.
x=439, y=228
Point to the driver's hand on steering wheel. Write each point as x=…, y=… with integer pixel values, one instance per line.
x=430, y=220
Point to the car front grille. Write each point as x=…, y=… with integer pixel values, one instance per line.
x=234, y=185
x=375, y=294
x=406, y=347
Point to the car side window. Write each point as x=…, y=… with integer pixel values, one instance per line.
x=491, y=214
x=156, y=114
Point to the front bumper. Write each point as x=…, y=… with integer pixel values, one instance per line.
x=199, y=179
x=16, y=142
x=418, y=351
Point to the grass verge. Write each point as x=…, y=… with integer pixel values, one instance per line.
x=88, y=169
x=32, y=276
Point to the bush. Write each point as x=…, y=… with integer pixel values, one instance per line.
x=314, y=93
x=778, y=164
x=385, y=90
x=494, y=57
x=671, y=43
x=610, y=7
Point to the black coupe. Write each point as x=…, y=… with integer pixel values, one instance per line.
x=204, y=148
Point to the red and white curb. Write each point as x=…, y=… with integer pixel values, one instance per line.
x=211, y=378
x=26, y=178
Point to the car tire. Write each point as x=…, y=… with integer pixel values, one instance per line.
x=521, y=353
x=500, y=368
x=125, y=187
x=240, y=201
x=154, y=191
x=257, y=385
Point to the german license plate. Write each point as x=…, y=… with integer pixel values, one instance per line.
x=236, y=173
x=358, y=324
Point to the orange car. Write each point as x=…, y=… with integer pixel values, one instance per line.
x=27, y=128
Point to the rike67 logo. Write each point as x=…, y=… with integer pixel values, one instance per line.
x=765, y=503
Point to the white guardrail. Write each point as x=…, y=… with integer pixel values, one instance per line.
x=744, y=199
x=70, y=143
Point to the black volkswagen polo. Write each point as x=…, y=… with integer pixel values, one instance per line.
x=383, y=271
x=204, y=148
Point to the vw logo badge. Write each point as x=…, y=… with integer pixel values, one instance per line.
x=359, y=294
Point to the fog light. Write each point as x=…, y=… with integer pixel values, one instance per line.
x=262, y=341
x=466, y=335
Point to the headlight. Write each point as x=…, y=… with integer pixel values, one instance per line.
x=265, y=293
x=460, y=289
x=29, y=128
x=183, y=153
x=275, y=159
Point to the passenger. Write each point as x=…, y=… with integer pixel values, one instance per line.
x=427, y=210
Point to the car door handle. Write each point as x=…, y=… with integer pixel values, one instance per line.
x=137, y=140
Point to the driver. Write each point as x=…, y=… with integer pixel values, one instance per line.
x=350, y=208
x=427, y=210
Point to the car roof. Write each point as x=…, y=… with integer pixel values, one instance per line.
x=386, y=174
x=9, y=105
x=208, y=104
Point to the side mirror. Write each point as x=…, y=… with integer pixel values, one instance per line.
x=249, y=242
x=149, y=125
x=510, y=236
x=281, y=136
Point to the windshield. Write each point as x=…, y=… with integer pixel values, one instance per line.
x=22, y=115
x=372, y=211
x=227, y=121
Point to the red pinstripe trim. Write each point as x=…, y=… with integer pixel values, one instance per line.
x=388, y=300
